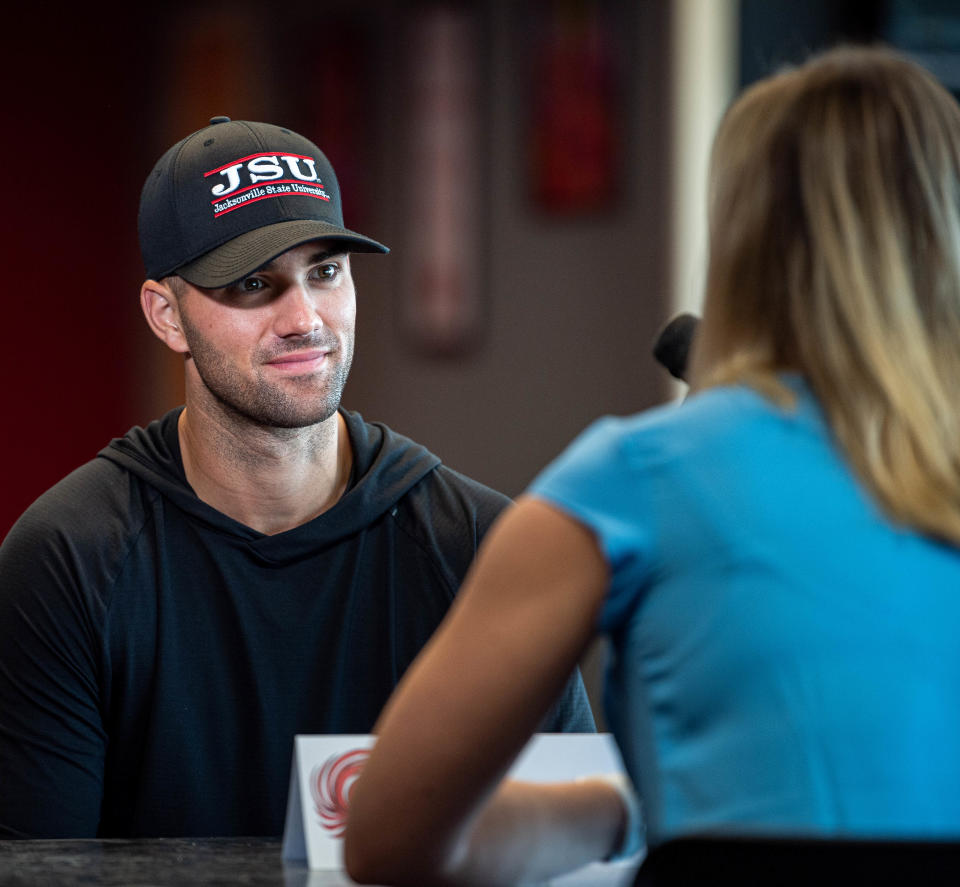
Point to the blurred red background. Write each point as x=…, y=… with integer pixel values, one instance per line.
x=70, y=155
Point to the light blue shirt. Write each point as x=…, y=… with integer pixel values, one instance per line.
x=784, y=658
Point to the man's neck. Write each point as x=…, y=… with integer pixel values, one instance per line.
x=271, y=480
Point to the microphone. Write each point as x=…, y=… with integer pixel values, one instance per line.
x=672, y=346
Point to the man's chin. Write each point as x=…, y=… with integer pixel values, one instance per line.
x=289, y=413
x=294, y=420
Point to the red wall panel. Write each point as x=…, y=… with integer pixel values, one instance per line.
x=72, y=109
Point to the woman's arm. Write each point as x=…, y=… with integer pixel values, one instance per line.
x=466, y=708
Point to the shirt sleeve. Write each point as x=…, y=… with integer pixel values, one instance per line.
x=598, y=483
x=52, y=742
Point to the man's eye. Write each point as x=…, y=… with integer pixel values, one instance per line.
x=251, y=284
x=328, y=271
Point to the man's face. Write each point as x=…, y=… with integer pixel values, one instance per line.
x=276, y=347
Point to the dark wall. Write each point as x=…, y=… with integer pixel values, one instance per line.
x=779, y=32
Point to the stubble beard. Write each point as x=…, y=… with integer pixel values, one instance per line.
x=298, y=402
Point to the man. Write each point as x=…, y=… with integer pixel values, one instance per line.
x=256, y=564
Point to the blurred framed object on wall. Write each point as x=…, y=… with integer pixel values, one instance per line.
x=441, y=300
x=576, y=118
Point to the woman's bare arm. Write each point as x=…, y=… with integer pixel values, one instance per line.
x=468, y=705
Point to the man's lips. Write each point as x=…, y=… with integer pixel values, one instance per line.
x=299, y=361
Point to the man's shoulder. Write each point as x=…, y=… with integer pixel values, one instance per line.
x=413, y=474
x=448, y=496
x=468, y=488
x=86, y=490
x=88, y=517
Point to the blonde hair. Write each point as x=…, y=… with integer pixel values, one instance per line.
x=835, y=252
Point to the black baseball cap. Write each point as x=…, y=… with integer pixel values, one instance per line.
x=232, y=196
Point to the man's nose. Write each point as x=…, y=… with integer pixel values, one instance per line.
x=297, y=313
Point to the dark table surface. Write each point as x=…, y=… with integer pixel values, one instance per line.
x=190, y=862
x=157, y=862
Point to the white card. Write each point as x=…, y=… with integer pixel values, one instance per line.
x=325, y=767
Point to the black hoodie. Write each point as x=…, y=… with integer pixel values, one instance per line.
x=157, y=657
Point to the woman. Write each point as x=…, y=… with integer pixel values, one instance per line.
x=776, y=561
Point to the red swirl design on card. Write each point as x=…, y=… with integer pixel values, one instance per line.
x=330, y=785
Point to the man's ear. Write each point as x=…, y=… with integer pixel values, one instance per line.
x=162, y=311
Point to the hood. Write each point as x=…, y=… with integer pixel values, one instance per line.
x=385, y=466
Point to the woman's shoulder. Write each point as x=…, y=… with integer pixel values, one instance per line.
x=706, y=418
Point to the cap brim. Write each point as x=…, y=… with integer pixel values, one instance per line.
x=246, y=253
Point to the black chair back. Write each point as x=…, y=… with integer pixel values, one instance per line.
x=792, y=862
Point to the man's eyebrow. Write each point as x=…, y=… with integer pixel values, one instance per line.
x=325, y=254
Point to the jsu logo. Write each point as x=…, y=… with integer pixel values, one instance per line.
x=248, y=171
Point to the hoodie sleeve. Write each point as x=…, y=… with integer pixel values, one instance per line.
x=52, y=615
